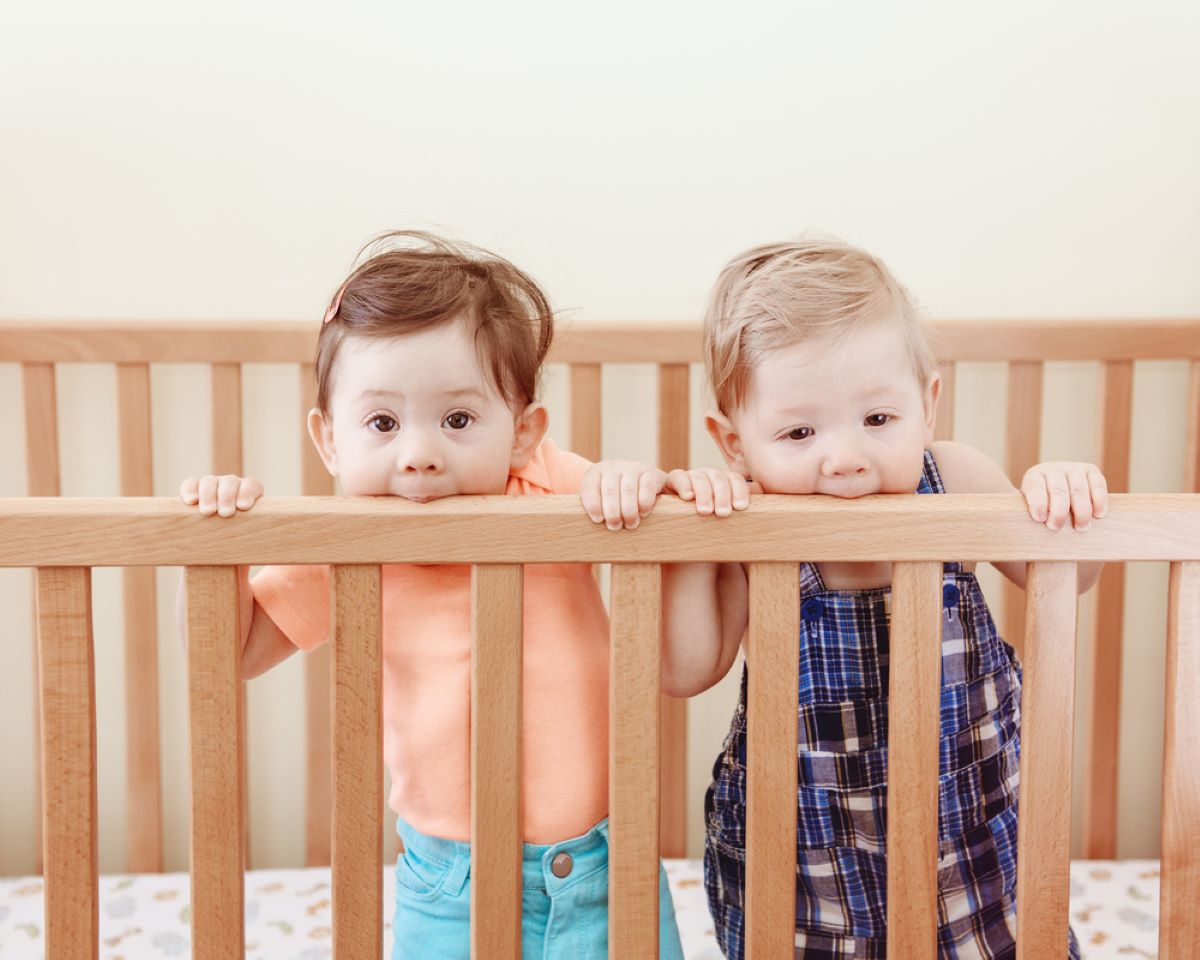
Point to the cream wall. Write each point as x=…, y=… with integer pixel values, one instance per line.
x=1037, y=160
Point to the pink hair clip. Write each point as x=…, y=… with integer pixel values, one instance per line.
x=336, y=305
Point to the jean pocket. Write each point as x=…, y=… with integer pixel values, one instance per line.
x=421, y=878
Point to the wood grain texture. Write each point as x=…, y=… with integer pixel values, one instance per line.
x=772, y=653
x=633, y=784
x=914, y=698
x=143, y=811
x=1103, y=741
x=674, y=420
x=318, y=806
x=552, y=529
x=42, y=479
x=1022, y=445
x=1179, y=921
x=67, y=668
x=357, y=696
x=222, y=341
x=216, y=748
x=943, y=428
x=585, y=410
x=1047, y=722
x=497, y=824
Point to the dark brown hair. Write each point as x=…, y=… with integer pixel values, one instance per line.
x=412, y=280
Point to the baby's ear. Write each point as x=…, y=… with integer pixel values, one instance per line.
x=932, y=394
x=725, y=434
x=321, y=432
x=529, y=428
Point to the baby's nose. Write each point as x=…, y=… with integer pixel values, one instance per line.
x=419, y=455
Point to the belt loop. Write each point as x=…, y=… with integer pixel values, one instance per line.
x=456, y=879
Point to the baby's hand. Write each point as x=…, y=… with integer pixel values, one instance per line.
x=619, y=493
x=717, y=492
x=1055, y=490
x=221, y=495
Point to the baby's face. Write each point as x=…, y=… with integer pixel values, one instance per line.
x=417, y=417
x=841, y=418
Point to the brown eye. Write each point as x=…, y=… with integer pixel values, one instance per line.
x=382, y=423
x=878, y=419
x=800, y=433
x=458, y=421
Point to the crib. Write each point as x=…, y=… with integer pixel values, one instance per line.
x=63, y=539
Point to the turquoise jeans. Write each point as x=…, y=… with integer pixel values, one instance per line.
x=562, y=916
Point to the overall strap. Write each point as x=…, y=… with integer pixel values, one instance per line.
x=931, y=482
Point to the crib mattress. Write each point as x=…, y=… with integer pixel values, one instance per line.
x=1114, y=910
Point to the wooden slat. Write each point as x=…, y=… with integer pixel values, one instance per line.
x=943, y=429
x=316, y=482
x=1192, y=478
x=1100, y=787
x=1179, y=924
x=227, y=458
x=1047, y=720
x=914, y=685
x=973, y=527
x=633, y=775
x=496, y=820
x=674, y=420
x=143, y=813
x=772, y=653
x=1023, y=437
x=585, y=410
x=64, y=620
x=42, y=480
x=216, y=748
x=357, y=762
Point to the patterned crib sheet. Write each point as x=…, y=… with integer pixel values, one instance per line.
x=1114, y=910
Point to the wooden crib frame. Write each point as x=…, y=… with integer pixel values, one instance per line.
x=1024, y=345
x=64, y=538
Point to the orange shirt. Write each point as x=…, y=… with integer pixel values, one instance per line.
x=427, y=677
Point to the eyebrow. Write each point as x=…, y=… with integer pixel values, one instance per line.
x=461, y=393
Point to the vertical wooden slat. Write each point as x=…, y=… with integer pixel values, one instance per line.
x=1047, y=719
x=357, y=694
x=316, y=482
x=1179, y=923
x=1100, y=788
x=943, y=428
x=64, y=626
x=914, y=698
x=496, y=820
x=227, y=458
x=673, y=426
x=585, y=410
x=1192, y=478
x=42, y=480
x=1023, y=440
x=772, y=655
x=633, y=784
x=216, y=748
x=143, y=812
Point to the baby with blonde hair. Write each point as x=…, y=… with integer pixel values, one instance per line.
x=824, y=384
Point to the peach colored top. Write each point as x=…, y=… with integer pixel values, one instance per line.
x=427, y=677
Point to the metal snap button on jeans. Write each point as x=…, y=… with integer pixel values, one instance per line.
x=561, y=865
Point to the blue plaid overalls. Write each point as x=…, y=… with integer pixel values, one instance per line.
x=841, y=838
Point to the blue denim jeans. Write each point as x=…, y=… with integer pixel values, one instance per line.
x=562, y=917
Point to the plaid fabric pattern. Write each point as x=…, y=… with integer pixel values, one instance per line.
x=841, y=824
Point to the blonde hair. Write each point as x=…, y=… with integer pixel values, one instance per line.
x=780, y=294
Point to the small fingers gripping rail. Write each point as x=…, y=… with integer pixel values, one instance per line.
x=63, y=539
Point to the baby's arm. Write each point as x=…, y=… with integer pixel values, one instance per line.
x=263, y=643
x=704, y=604
x=1054, y=492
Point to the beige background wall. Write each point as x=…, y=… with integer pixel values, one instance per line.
x=1035, y=161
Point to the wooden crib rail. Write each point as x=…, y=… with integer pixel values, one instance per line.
x=1025, y=345
x=64, y=537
